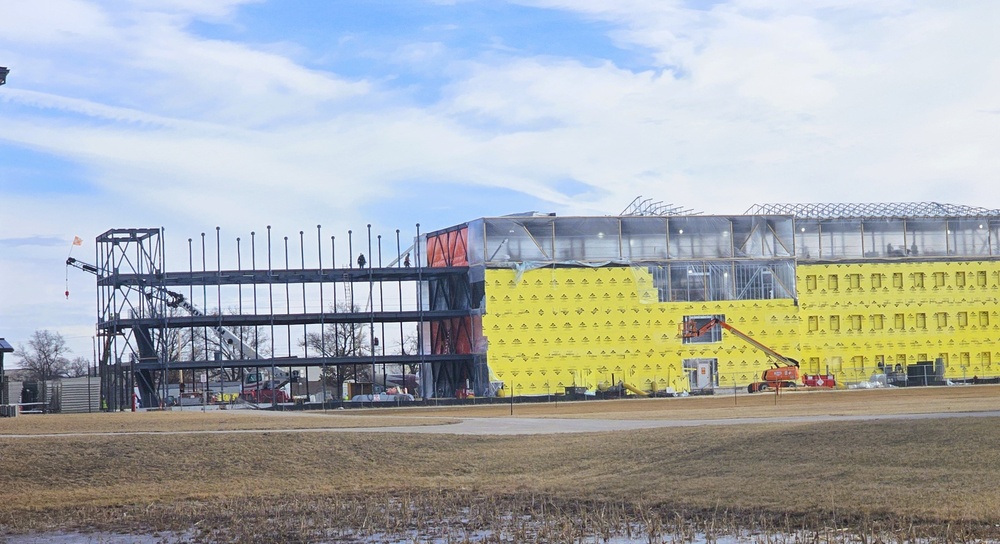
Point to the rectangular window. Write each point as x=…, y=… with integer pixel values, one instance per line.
x=897, y=280
x=939, y=279
x=876, y=281
x=981, y=278
x=854, y=281
x=964, y=359
x=855, y=321
x=858, y=362
x=984, y=319
x=832, y=282
x=963, y=319
x=986, y=358
x=942, y=319
x=811, y=282
x=960, y=279
x=813, y=323
x=918, y=280
x=695, y=331
x=835, y=323
x=921, y=321
x=878, y=322
x=900, y=322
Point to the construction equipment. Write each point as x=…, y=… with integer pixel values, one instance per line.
x=785, y=372
x=261, y=390
x=235, y=346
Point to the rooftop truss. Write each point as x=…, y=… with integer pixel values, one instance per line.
x=845, y=210
x=642, y=207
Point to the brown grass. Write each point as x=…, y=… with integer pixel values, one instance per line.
x=184, y=421
x=929, y=473
x=917, y=400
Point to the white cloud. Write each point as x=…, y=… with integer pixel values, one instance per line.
x=742, y=103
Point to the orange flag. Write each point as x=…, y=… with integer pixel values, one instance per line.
x=77, y=241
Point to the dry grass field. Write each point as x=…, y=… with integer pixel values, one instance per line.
x=888, y=480
x=918, y=400
x=194, y=421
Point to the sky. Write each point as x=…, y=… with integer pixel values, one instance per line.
x=242, y=114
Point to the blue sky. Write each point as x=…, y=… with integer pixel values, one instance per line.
x=240, y=114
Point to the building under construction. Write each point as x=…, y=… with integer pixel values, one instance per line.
x=533, y=304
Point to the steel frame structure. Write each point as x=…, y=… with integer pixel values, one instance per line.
x=858, y=210
x=135, y=324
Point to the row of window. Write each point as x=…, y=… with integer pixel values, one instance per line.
x=917, y=280
x=857, y=322
x=899, y=362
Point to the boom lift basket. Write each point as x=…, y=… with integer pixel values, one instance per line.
x=690, y=329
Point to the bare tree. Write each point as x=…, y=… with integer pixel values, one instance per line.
x=46, y=355
x=202, y=343
x=78, y=367
x=410, y=346
x=341, y=340
x=254, y=338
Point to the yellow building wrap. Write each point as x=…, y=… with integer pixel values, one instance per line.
x=855, y=317
x=554, y=328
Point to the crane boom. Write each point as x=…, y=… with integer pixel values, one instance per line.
x=174, y=299
x=785, y=372
x=692, y=330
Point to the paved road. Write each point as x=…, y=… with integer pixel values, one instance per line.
x=527, y=426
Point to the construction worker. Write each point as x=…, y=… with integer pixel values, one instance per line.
x=361, y=260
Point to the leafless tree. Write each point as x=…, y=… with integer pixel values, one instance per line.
x=410, y=346
x=45, y=358
x=341, y=340
x=78, y=367
x=202, y=343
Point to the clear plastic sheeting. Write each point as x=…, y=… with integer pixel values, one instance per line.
x=700, y=237
x=691, y=281
x=546, y=239
x=756, y=236
x=969, y=237
x=517, y=240
x=883, y=238
x=477, y=241
x=506, y=241
x=840, y=239
x=894, y=238
x=587, y=239
x=644, y=238
x=926, y=238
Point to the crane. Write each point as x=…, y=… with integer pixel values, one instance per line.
x=257, y=387
x=174, y=299
x=785, y=372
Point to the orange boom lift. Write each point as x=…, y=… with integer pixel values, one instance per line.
x=785, y=372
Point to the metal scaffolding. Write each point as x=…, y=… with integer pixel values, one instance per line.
x=648, y=207
x=160, y=328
